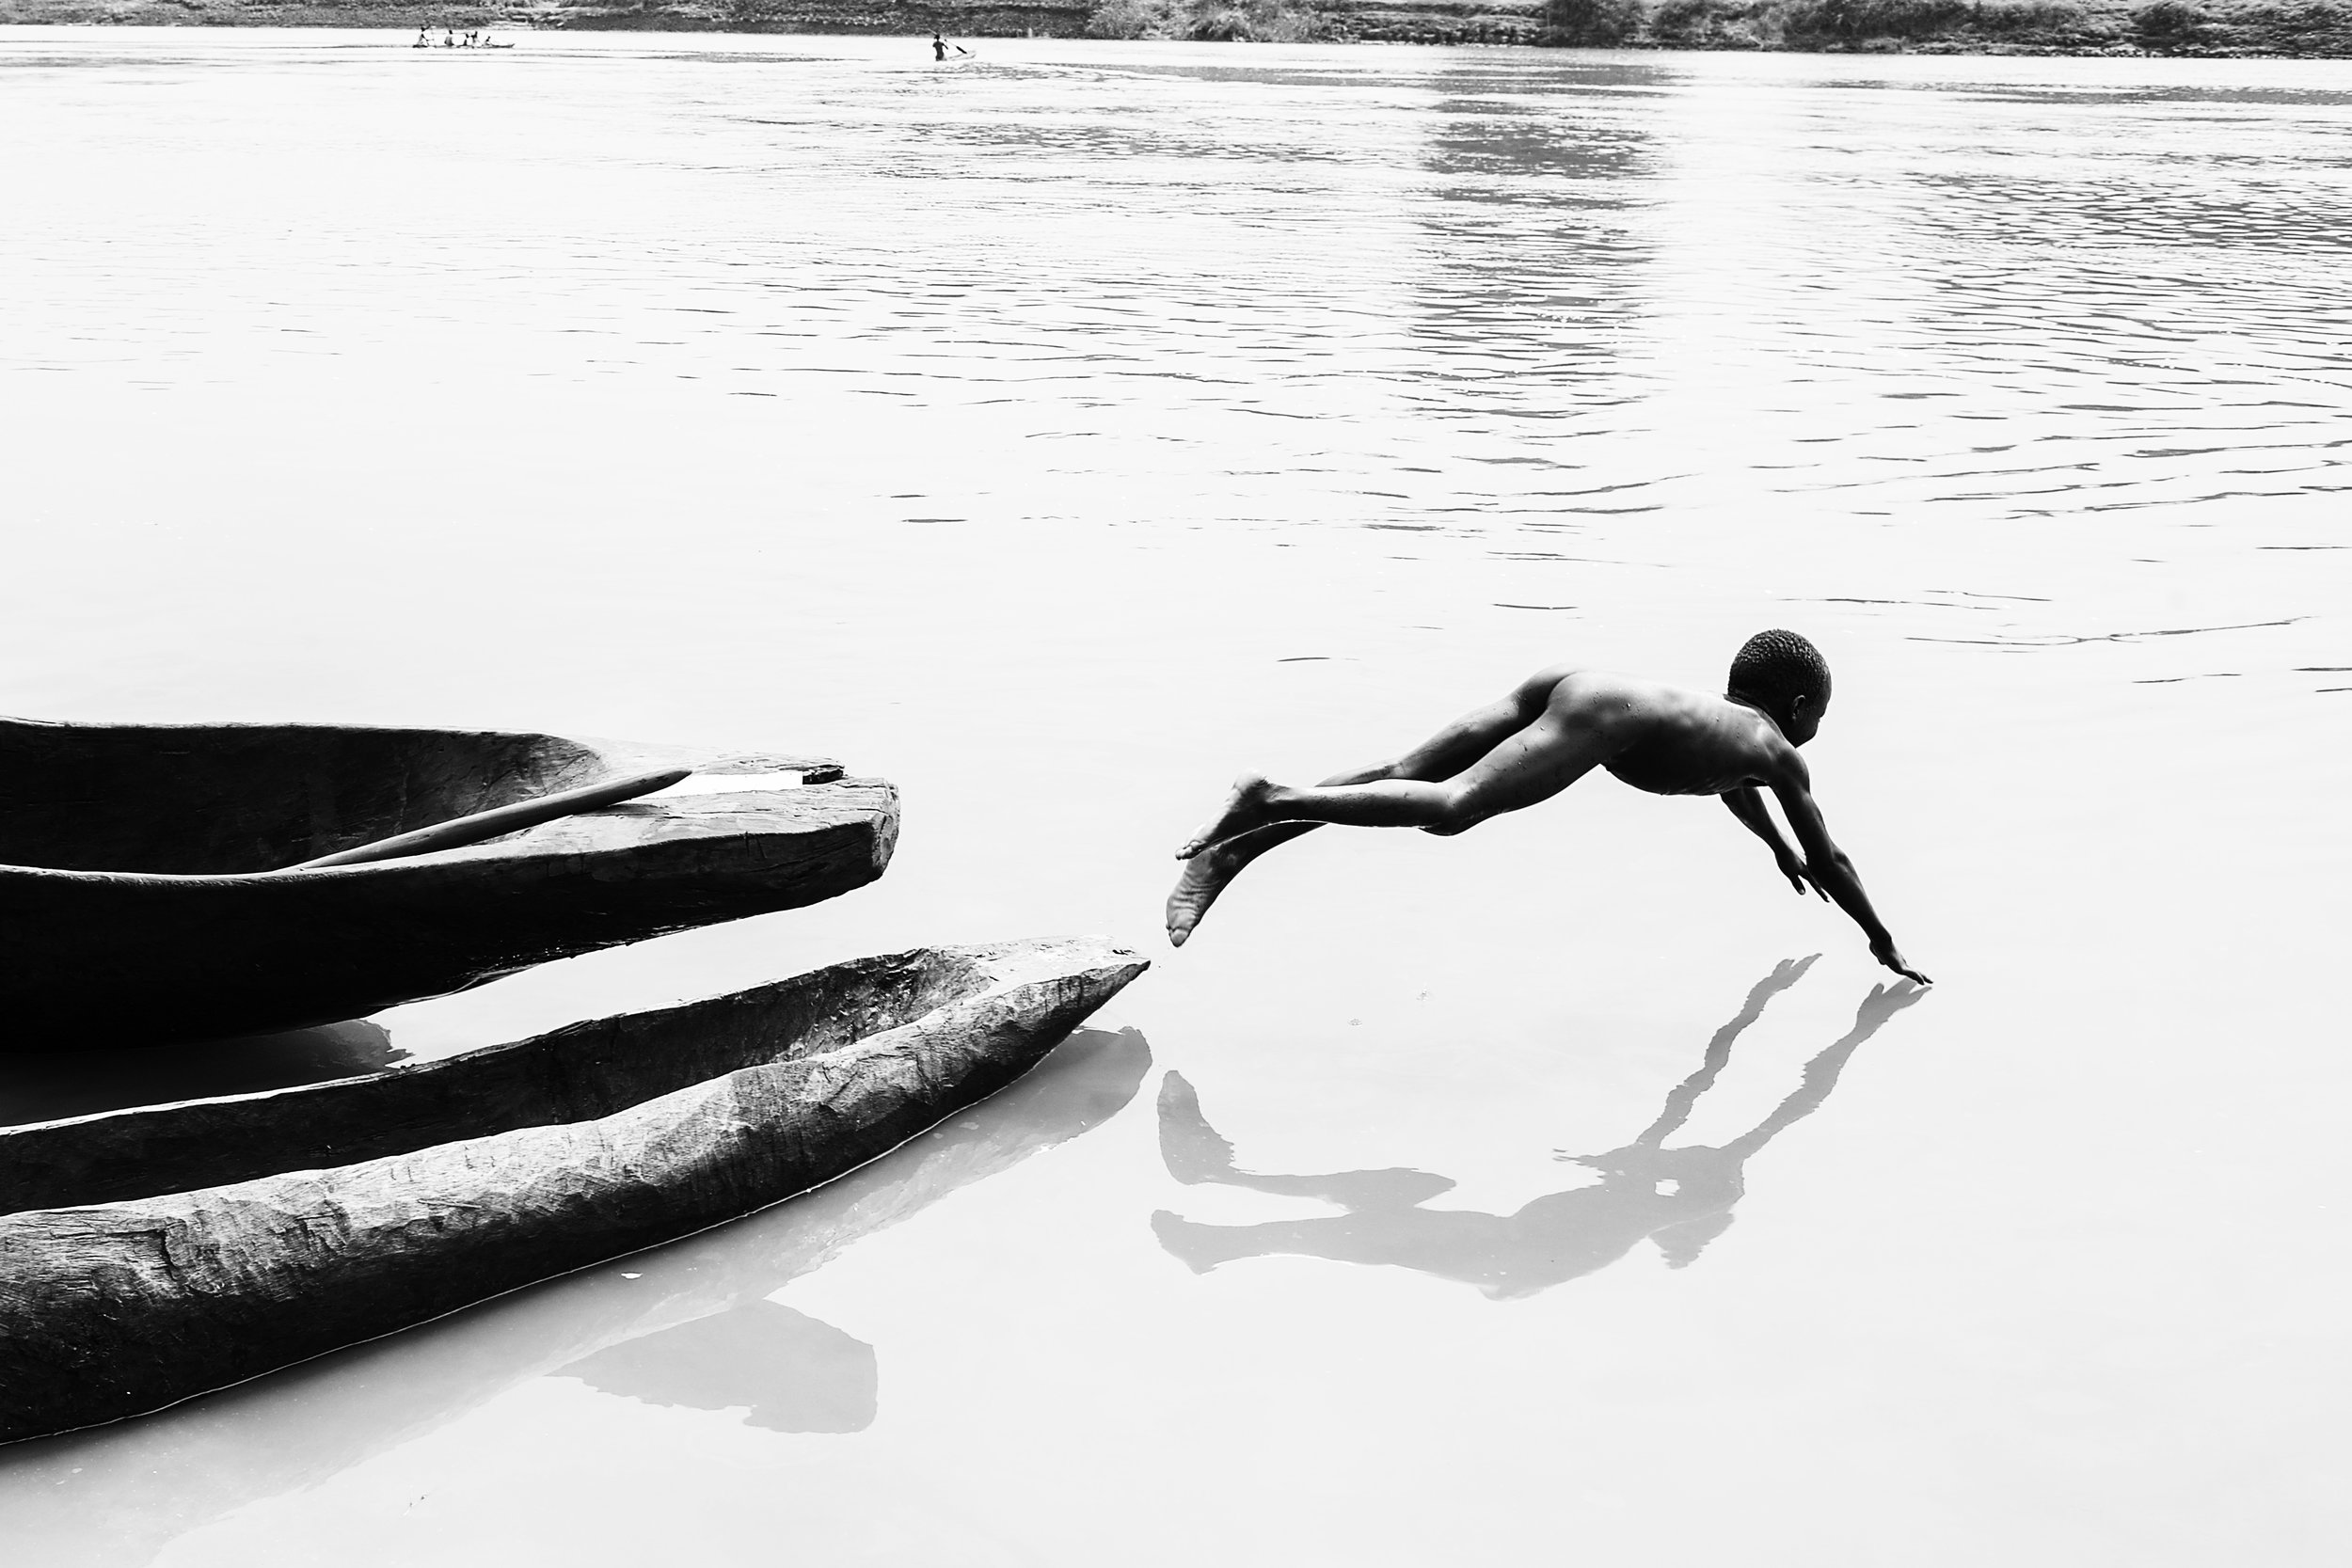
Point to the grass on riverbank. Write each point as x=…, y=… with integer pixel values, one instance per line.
x=2321, y=28
x=2221, y=27
x=2209, y=27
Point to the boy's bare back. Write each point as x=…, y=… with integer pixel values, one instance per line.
x=1665, y=739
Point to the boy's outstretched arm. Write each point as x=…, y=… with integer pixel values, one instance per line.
x=1748, y=806
x=1828, y=866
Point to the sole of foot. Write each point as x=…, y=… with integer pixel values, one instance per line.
x=1204, y=877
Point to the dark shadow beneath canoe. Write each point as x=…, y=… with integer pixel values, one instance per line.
x=114, y=1496
x=51, y=1085
x=145, y=895
x=118, y=1307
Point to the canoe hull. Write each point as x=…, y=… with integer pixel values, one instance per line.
x=577, y=1074
x=105, y=957
x=161, y=1479
x=113, y=1309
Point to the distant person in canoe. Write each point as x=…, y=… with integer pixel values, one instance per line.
x=939, y=47
x=1558, y=725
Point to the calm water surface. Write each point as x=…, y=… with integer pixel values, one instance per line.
x=1057, y=434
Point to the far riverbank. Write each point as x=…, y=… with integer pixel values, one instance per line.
x=2195, y=28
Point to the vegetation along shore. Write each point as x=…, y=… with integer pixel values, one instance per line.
x=2316, y=28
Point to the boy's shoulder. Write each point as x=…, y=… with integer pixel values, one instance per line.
x=1778, y=762
x=1756, y=739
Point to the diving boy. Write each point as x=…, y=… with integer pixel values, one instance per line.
x=1556, y=727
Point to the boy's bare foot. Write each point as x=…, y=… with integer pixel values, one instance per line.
x=1241, y=812
x=1206, y=875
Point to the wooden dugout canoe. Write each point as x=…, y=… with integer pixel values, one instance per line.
x=111, y=1310
x=579, y=1073
x=142, y=899
x=119, y=1494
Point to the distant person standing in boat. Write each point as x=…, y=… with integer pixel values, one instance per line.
x=939, y=48
x=1557, y=726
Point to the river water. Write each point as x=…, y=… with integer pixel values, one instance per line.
x=1060, y=433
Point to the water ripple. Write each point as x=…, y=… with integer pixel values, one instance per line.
x=1419, y=283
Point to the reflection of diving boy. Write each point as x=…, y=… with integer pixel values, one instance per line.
x=1679, y=1198
x=1556, y=727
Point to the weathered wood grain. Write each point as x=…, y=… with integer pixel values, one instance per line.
x=112, y=1309
x=138, y=903
x=498, y=821
x=115, y=1495
x=577, y=1074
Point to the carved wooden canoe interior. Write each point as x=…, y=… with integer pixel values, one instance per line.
x=577, y=1074
x=116, y=1307
x=143, y=897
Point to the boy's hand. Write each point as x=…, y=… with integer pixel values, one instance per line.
x=1799, y=878
x=1884, y=953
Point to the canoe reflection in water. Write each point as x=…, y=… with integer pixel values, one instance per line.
x=787, y=1370
x=684, y=1324
x=1679, y=1198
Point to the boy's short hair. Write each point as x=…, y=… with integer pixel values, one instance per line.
x=1774, y=668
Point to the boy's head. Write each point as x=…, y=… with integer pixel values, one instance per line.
x=1785, y=677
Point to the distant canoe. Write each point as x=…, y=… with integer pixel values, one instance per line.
x=112, y=1309
x=143, y=896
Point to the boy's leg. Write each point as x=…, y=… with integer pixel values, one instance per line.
x=1443, y=755
x=1530, y=766
x=1451, y=752
x=1210, y=868
x=1459, y=745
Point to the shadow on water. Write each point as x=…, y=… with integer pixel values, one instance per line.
x=790, y=1371
x=51, y=1085
x=685, y=1324
x=1679, y=1198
